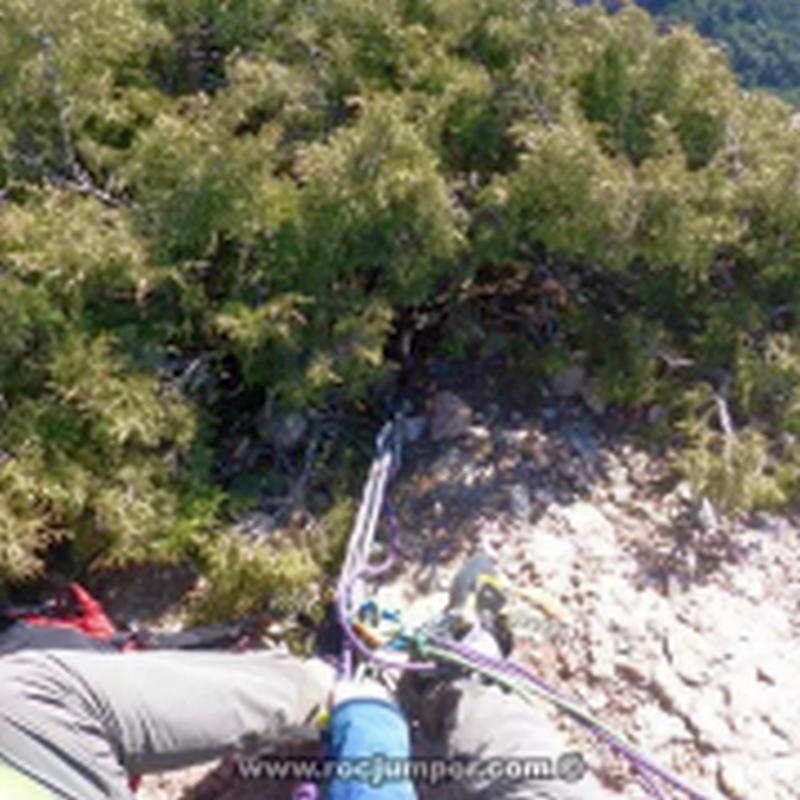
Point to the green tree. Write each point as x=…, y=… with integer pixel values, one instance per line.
x=762, y=38
x=217, y=215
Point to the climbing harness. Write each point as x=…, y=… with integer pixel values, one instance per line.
x=379, y=637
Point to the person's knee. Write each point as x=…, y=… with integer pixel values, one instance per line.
x=516, y=750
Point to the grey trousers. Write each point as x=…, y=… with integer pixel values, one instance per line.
x=79, y=722
x=520, y=752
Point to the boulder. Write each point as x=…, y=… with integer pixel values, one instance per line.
x=451, y=417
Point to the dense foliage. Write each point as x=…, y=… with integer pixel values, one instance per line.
x=763, y=38
x=216, y=217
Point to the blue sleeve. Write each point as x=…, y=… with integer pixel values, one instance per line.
x=366, y=737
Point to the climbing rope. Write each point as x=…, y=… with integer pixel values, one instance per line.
x=351, y=591
x=435, y=650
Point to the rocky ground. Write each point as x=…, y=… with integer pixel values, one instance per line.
x=680, y=630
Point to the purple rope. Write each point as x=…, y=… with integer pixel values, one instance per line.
x=647, y=779
x=375, y=570
x=346, y=662
x=306, y=791
x=641, y=769
x=354, y=642
x=510, y=668
x=638, y=761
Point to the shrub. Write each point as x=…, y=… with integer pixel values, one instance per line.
x=213, y=212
